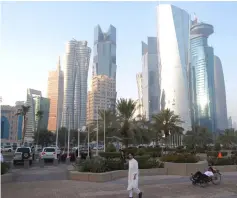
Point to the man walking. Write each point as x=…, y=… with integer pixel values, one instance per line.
x=133, y=177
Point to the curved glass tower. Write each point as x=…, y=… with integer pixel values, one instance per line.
x=173, y=39
x=221, y=109
x=202, y=77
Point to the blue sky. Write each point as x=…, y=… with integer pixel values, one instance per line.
x=34, y=35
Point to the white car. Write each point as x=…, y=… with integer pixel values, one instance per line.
x=23, y=153
x=7, y=148
x=49, y=153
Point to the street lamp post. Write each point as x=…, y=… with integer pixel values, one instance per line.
x=56, y=143
x=97, y=132
x=88, y=144
x=68, y=141
x=78, y=145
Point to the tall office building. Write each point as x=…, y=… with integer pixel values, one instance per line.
x=55, y=94
x=173, y=36
x=202, y=77
x=104, y=60
x=42, y=104
x=101, y=97
x=230, y=125
x=31, y=124
x=75, y=84
x=150, y=78
x=221, y=109
x=139, y=109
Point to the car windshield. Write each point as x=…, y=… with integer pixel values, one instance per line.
x=23, y=150
x=49, y=150
x=7, y=146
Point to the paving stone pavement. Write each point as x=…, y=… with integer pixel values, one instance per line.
x=75, y=189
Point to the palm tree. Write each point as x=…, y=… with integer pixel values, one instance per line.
x=125, y=112
x=39, y=116
x=23, y=111
x=167, y=122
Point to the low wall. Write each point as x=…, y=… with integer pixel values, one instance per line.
x=185, y=169
x=226, y=168
x=6, y=178
x=113, y=175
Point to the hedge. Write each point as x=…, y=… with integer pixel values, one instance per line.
x=215, y=153
x=180, y=158
x=108, y=155
x=4, y=168
x=221, y=161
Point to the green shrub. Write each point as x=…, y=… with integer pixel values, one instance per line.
x=4, y=168
x=200, y=150
x=180, y=158
x=114, y=164
x=140, y=151
x=94, y=165
x=108, y=155
x=215, y=153
x=234, y=153
x=146, y=162
x=220, y=161
x=154, y=154
x=110, y=148
x=130, y=150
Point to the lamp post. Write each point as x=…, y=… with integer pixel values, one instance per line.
x=68, y=141
x=56, y=143
x=88, y=144
x=97, y=132
x=78, y=145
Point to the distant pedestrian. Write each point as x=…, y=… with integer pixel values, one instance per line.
x=133, y=174
x=1, y=157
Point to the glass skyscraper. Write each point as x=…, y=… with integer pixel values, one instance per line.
x=104, y=60
x=202, y=87
x=150, y=78
x=173, y=36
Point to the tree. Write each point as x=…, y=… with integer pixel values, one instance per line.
x=125, y=112
x=45, y=137
x=39, y=116
x=198, y=136
x=23, y=111
x=167, y=122
x=228, y=138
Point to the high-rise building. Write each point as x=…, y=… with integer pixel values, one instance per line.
x=55, y=94
x=101, y=97
x=150, y=78
x=221, y=109
x=10, y=124
x=139, y=109
x=202, y=84
x=104, y=60
x=75, y=84
x=42, y=104
x=173, y=36
x=230, y=125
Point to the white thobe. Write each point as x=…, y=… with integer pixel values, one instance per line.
x=132, y=171
x=1, y=158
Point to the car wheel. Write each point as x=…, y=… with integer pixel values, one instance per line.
x=9, y=150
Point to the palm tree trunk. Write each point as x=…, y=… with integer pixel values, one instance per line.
x=24, y=130
x=37, y=142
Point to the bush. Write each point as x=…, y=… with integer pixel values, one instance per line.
x=220, y=161
x=4, y=168
x=180, y=158
x=94, y=165
x=234, y=153
x=130, y=150
x=108, y=155
x=114, y=164
x=146, y=162
x=110, y=148
x=215, y=153
x=141, y=151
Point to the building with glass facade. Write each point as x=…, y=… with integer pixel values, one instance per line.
x=42, y=104
x=150, y=78
x=202, y=86
x=75, y=84
x=173, y=36
x=104, y=58
x=139, y=107
x=221, y=109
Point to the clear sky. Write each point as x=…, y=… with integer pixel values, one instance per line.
x=34, y=35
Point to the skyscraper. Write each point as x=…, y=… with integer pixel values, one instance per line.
x=139, y=110
x=230, y=124
x=31, y=124
x=75, y=84
x=173, y=33
x=202, y=77
x=42, y=104
x=221, y=109
x=55, y=94
x=150, y=78
x=104, y=60
x=101, y=97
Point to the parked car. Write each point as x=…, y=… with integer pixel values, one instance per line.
x=7, y=148
x=49, y=153
x=23, y=153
